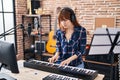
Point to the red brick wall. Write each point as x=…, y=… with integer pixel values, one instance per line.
x=85, y=10
x=20, y=7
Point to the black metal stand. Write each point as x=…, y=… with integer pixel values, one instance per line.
x=20, y=26
x=111, y=52
x=104, y=47
x=40, y=36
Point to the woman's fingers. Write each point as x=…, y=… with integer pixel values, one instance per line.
x=63, y=63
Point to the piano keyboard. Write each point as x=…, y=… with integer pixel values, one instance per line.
x=59, y=77
x=63, y=70
x=76, y=70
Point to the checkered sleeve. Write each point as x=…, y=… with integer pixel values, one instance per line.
x=58, y=44
x=82, y=42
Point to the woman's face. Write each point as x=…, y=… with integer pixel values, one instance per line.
x=65, y=23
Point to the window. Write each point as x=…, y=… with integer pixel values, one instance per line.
x=7, y=20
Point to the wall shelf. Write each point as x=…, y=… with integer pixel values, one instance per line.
x=42, y=19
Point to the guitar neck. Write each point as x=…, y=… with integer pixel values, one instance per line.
x=56, y=20
x=55, y=27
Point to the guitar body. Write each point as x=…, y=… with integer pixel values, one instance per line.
x=51, y=44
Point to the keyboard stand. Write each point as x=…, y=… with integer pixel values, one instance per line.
x=4, y=76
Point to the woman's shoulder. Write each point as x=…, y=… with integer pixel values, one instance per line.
x=58, y=31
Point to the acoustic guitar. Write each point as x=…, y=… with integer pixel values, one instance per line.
x=51, y=44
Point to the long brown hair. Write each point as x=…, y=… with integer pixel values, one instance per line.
x=67, y=13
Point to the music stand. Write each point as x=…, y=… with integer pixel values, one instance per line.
x=106, y=41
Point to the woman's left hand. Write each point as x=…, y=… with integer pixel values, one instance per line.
x=65, y=62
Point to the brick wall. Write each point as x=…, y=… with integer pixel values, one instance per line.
x=85, y=10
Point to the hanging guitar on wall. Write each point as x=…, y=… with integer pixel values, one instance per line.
x=51, y=44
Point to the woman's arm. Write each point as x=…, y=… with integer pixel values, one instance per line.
x=67, y=61
x=58, y=49
x=54, y=58
x=82, y=43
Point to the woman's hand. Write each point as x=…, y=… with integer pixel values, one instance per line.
x=65, y=62
x=53, y=59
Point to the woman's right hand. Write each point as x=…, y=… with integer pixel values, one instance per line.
x=53, y=59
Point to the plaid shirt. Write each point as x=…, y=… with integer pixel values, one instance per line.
x=76, y=45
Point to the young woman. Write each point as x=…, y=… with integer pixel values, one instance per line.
x=71, y=40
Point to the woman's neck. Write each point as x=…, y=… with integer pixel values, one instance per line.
x=70, y=29
x=69, y=33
